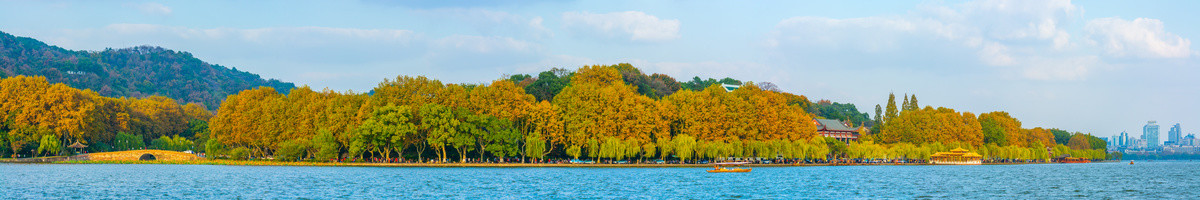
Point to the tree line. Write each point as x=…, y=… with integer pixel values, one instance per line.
x=612, y=112
x=595, y=115
x=909, y=123
x=39, y=118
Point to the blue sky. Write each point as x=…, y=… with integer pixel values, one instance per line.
x=1094, y=66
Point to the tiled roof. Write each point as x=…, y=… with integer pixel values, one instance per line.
x=832, y=125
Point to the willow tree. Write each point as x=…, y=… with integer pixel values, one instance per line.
x=683, y=147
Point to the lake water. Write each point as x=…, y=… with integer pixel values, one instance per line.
x=1145, y=180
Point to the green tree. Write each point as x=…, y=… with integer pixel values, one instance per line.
x=292, y=150
x=683, y=146
x=548, y=84
x=387, y=129
x=357, y=146
x=326, y=145
x=439, y=124
x=574, y=151
x=161, y=143
x=214, y=149
x=240, y=153
x=817, y=148
x=913, y=103
x=500, y=138
x=1061, y=136
x=649, y=150
x=49, y=145
x=125, y=141
x=1097, y=143
x=535, y=146
x=4, y=148
x=993, y=133
x=878, y=119
x=891, y=112
x=463, y=140
x=837, y=148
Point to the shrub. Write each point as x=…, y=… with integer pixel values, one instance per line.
x=214, y=149
x=240, y=153
x=326, y=146
x=125, y=141
x=292, y=150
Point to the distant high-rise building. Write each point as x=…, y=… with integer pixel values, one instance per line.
x=1150, y=134
x=1189, y=140
x=1124, y=140
x=1110, y=142
x=1175, y=135
x=1137, y=144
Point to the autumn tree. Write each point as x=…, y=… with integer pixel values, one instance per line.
x=891, y=108
x=933, y=125
x=1002, y=129
x=1079, y=141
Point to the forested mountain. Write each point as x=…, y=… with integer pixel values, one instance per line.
x=130, y=72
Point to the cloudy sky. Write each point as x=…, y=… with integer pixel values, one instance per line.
x=1095, y=66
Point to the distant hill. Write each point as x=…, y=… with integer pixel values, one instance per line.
x=129, y=72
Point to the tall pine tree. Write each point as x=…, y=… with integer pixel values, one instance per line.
x=891, y=108
x=913, y=103
x=878, y=114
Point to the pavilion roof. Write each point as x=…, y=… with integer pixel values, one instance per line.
x=77, y=145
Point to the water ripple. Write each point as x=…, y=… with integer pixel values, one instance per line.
x=1147, y=180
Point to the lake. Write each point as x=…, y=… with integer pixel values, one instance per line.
x=1145, y=180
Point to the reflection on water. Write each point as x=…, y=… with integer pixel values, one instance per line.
x=1146, y=180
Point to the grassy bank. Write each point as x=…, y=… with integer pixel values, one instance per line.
x=351, y=164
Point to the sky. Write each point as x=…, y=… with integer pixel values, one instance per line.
x=1098, y=67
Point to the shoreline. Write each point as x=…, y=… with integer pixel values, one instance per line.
x=483, y=165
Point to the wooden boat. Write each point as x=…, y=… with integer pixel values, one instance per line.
x=726, y=170
x=1074, y=160
x=718, y=167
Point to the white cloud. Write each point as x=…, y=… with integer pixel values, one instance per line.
x=1141, y=37
x=1028, y=39
x=479, y=58
x=491, y=22
x=630, y=25
x=480, y=44
x=152, y=8
x=290, y=35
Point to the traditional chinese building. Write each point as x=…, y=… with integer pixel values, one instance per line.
x=836, y=129
x=958, y=156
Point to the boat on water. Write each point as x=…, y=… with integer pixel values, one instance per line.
x=958, y=156
x=724, y=167
x=1076, y=160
